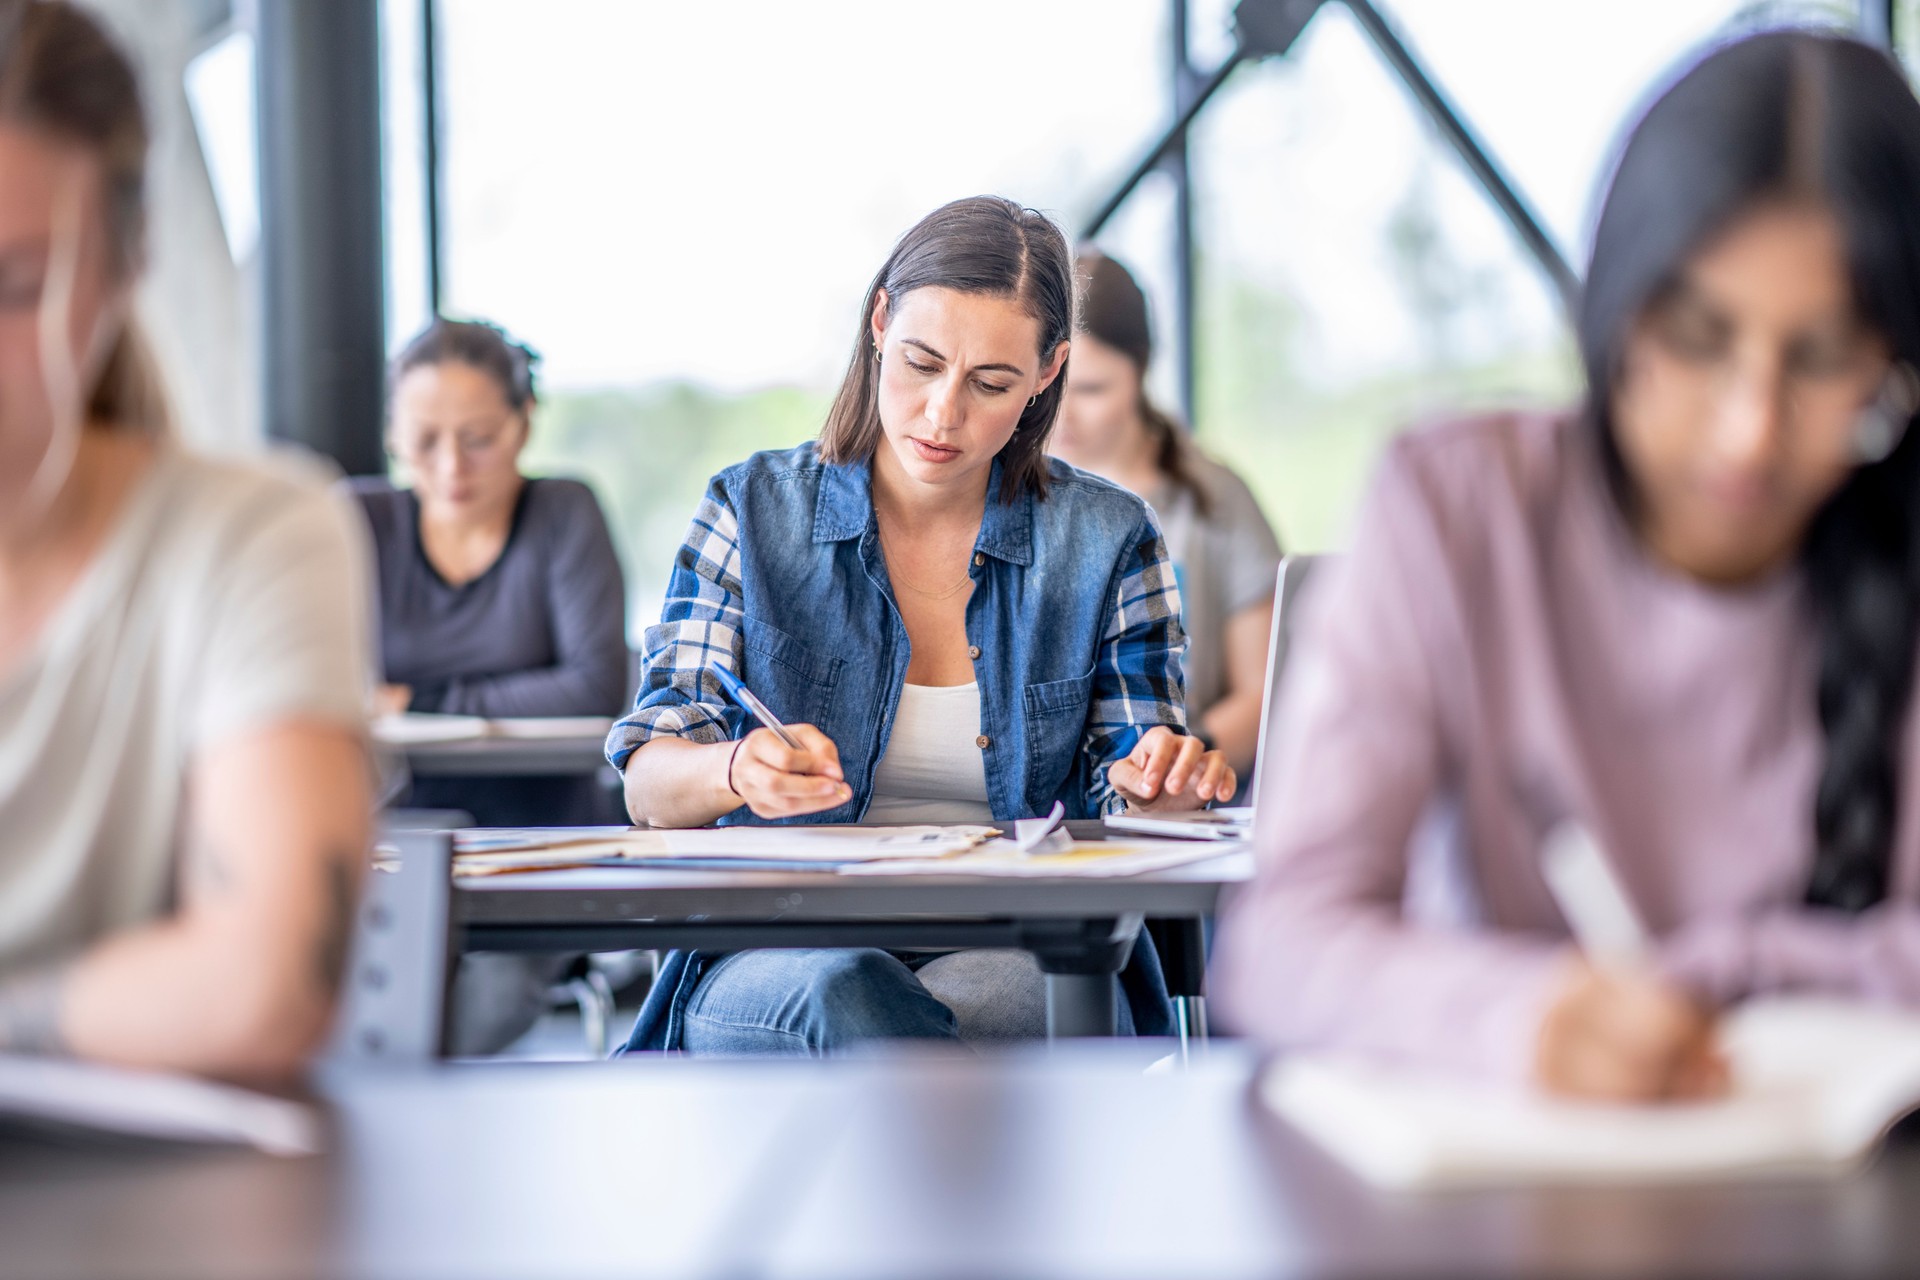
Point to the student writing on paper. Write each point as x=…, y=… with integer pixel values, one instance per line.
x=500, y=595
x=957, y=627
x=1684, y=615
x=1224, y=552
x=183, y=768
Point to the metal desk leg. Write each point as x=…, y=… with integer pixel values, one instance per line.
x=1181, y=942
x=1190, y=1021
x=1080, y=1004
x=1080, y=959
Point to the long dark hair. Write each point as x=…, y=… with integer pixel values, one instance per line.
x=1113, y=310
x=980, y=245
x=1795, y=115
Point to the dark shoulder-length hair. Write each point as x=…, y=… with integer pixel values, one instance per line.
x=980, y=245
x=1797, y=116
x=481, y=344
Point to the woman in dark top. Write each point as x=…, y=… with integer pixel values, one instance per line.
x=499, y=595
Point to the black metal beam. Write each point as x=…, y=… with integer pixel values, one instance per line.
x=1170, y=136
x=1185, y=84
x=1269, y=28
x=430, y=150
x=1494, y=182
x=323, y=307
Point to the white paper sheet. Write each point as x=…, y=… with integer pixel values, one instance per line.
x=150, y=1105
x=419, y=728
x=1816, y=1081
x=1079, y=859
x=825, y=847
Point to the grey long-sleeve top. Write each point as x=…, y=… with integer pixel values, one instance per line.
x=541, y=633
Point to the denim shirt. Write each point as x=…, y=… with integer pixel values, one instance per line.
x=1073, y=623
x=1074, y=620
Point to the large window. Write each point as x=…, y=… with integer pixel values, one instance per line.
x=1353, y=277
x=681, y=205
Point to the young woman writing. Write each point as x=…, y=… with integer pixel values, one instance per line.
x=958, y=628
x=1684, y=617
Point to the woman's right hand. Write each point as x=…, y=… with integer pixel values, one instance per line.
x=778, y=782
x=1627, y=1037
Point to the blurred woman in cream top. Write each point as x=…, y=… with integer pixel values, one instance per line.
x=1684, y=617
x=184, y=804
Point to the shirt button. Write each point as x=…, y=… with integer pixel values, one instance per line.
x=979, y=557
x=983, y=742
x=973, y=651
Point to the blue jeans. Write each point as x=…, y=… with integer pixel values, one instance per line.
x=818, y=1002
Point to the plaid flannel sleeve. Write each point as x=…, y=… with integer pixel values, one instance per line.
x=699, y=624
x=1138, y=679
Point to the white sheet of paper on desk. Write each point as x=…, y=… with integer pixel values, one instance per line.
x=809, y=844
x=420, y=728
x=1031, y=835
x=826, y=847
x=1080, y=859
x=1816, y=1083
x=516, y=839
x=149, y=1105
x=417, y=728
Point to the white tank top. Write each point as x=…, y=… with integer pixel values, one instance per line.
x=933, y=769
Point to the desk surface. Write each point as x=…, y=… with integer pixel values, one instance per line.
x=1074, y=1164
x=610, y=894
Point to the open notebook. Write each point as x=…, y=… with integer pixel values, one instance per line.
x=1816, y=1085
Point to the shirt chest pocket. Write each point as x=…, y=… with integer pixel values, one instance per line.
x=796, y=683
x=1056, y=715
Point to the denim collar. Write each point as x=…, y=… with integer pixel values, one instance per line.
x=844, y=509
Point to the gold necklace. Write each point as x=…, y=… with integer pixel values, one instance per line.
x=966, y=580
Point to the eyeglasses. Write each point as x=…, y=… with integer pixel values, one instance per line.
x=1828, y=388
x=417, y=447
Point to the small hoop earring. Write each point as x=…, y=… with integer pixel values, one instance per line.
x=876, y=353
x=1031, y=400
x=1884, y=423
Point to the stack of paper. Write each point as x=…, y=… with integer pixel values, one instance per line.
x=823, y=848
x=1070, y=860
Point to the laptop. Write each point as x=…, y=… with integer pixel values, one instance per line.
x=1235, y=822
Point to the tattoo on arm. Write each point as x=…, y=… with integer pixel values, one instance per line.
x=336, y=925
x=30, y=1005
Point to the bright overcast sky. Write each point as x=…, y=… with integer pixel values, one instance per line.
x=665, y=190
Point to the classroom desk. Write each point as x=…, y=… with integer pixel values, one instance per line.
x=507, y=757
x=1073, y=1164
x=1081, y=930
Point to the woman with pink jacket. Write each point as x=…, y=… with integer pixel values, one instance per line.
x=1684, y=617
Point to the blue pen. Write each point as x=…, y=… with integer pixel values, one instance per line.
x=739, y=692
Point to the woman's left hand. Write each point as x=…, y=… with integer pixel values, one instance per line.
x=1168, y=770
